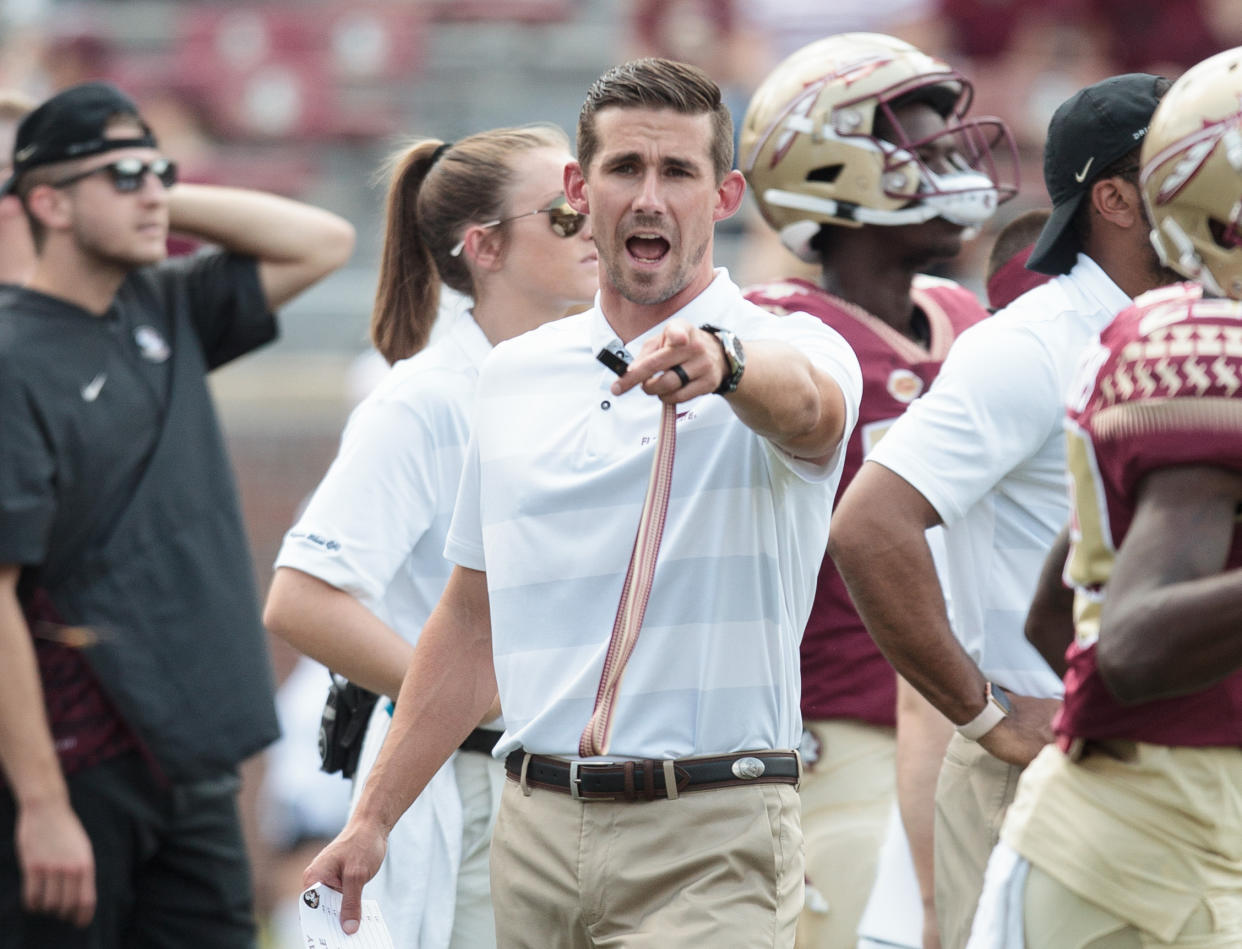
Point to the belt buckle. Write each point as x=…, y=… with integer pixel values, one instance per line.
x=575, y=780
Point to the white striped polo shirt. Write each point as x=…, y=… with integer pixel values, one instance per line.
x=375, y=526
x=549, y=503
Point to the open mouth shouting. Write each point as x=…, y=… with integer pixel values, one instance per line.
x=647, y=248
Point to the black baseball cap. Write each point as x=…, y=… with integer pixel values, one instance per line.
x=73, y=124
x=1089, y=131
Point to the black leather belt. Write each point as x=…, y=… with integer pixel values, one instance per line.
x=645, y=780
x=481, y=739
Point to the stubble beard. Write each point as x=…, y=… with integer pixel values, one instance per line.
x=647, y=289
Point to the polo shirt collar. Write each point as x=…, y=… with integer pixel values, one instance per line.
x=714, y=305
x=1090, y=278
x=465, y=332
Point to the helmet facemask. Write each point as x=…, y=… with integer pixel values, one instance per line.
x=822, y=142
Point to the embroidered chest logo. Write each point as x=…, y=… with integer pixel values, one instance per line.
x=151, y=344
x=90, y=391
x=904, y=386
x=684, y=415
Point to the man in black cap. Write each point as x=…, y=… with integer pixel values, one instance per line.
x=137, y=672
x=983, y=452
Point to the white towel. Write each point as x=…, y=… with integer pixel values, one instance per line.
x=416, y=887
x=893, y=916
x=1000, y=920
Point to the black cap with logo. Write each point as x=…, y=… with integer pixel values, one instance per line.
x=73, y=124
x=1089, y=131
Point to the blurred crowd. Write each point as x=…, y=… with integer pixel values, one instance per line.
x=290, y=97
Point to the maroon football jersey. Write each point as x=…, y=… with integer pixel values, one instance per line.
x=843, y=673
x=1164, y=387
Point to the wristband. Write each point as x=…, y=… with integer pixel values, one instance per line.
x=994, y=712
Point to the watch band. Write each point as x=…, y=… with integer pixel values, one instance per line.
x=735, y=358
x=994, y=712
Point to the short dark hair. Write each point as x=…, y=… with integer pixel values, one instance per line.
x=1019, y=234
x=658, y=84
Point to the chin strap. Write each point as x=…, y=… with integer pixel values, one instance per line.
x=967, y=199
x=1187, y=260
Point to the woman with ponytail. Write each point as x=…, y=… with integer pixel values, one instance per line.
x=359, y=573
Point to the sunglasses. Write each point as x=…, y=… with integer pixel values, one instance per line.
x=128, y=174
x=564, y=221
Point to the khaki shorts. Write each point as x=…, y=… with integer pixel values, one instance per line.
x=710, y=868
x=1058, y=918
x=972, y=795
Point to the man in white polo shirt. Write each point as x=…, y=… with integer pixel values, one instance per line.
x=983, y=453
x=663, y=806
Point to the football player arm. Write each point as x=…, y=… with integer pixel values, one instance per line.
x=53, y=852
x=1171, y=614
x=295, y=244
x=449, y=685
x=1050, y=620
x=335, y=628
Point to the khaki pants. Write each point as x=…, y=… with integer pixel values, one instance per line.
x=847, y=797
x=711, y=868
x=972, y=795
x=1058, y=918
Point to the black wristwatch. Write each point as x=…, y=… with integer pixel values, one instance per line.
x=735, y=358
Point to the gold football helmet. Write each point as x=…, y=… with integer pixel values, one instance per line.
x=811, y=155
x=1192, y=175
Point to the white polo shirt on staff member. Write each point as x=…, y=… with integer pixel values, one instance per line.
x=986, y=447
x=549, y=503
x=375, y=528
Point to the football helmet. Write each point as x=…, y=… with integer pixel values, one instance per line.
x=1192, y=175
x=810, y=151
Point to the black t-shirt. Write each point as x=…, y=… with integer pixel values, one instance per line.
x=117, y=497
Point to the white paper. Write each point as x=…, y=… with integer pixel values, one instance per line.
x=319, y=910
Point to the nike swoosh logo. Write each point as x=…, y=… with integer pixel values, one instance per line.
x=1081, y=176
x=90, y=391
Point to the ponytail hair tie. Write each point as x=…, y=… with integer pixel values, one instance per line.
x=435, y=156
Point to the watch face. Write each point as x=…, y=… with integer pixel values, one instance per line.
x=1001, y=698
x=735, y=359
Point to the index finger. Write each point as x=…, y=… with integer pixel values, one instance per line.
x=643, y=368
x=322, y=870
